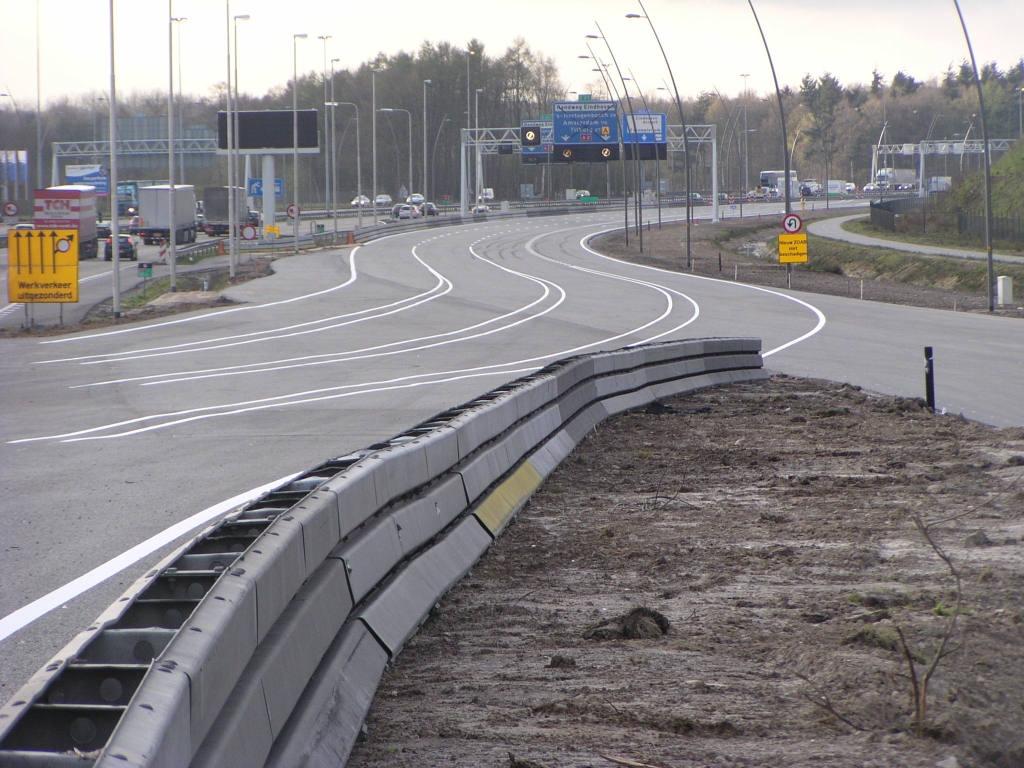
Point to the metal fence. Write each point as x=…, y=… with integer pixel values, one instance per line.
x=1003, y=227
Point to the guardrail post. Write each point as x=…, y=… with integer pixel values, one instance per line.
x=929, y=378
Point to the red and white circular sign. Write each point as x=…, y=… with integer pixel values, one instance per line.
x=792, y=223
x=293, y=211
x=248, y=232
x=10, y=209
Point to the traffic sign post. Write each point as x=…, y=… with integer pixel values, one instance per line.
x=293, y=211
x=248, y=232
x=792, y=224
x=10, y=209
x=42, y=266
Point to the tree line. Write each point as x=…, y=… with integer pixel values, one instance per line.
x=831, y=125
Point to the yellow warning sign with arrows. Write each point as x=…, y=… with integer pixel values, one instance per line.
x=42, y=266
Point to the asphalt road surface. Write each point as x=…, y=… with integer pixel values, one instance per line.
x=116, y=443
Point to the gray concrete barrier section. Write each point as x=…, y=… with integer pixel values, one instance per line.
x=325, y=725
x=386, y=530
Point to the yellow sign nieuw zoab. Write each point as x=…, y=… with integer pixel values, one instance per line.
x=792, y=249
x=42, y=266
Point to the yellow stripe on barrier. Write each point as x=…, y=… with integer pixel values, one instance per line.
x=497, y=509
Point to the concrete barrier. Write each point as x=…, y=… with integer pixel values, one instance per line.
x=276, y=622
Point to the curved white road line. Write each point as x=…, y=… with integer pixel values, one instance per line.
x=817, y=312
x=319, y=395
x=25, y=615
x=206, y=316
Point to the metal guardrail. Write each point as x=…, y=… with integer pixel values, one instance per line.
x=262, y=640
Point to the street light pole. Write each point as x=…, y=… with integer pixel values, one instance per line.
x=327, y=159
x=334, y=157
x=682, y=119
x=424, y=177
x=172, y=232
x=408, y=114
x=746, y=146
x=230, y=130
x=359, y=167
x=295, y=132
x=233, y=229
x=373, y=80
x=115, y=236
x=479, y=170
x=433, y=155
x=987, y=158
x=39, y=110
x=469, y=113
x=181, y=108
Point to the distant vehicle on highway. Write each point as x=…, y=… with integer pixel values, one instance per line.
x=102, y=229
x=415, y=199
x=481, y=208
x=869, y=188
x=360, y=201
x=126, y=251
x=383, y=200
x=23, y=225
x=408, y=211
x=429, y=209
x=133, y=225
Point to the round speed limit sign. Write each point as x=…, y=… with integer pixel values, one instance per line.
x=792, y=223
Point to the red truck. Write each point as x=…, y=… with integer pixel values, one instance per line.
x=72, y=206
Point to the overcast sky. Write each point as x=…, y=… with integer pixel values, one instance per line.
x=710, y=43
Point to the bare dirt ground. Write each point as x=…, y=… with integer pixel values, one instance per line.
x=770, y=528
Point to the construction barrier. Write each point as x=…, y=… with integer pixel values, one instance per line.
x=261, y=641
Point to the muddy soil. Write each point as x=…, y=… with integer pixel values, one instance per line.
x=769, y=533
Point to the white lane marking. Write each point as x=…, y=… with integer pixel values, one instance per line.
x=208, y=315
x=407, y=304
x=25, y=615
x=319, y=395
x=352, y=355
x=117, y=356
x=820, y=315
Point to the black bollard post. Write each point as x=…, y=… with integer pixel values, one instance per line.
x=929, y=378
x=719, y=261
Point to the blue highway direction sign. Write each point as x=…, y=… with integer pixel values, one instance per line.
x=585, y=122
x=650, y=128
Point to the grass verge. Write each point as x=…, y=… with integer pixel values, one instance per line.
x=937, y=239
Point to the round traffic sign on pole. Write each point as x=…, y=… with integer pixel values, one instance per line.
x=792, y=223
x=248, y=232
x=10, y=209
x=293, y=211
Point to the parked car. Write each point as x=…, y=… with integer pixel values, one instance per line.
x=360, y=201
x=429, y=209
x=415, y=199
x=383, y=200
x=481, y=208
x=127, y=248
